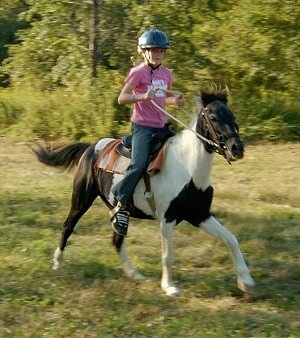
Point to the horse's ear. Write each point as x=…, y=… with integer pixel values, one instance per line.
x=223, y=94
x=206, y=97
x=202, y=92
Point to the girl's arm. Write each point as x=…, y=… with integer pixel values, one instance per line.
x=126, y=96
x=177, y=100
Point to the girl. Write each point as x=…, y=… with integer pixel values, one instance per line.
x=148, y=81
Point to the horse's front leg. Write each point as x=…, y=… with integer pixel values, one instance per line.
x=216, y=229
x=167, y=259
x=127, y=266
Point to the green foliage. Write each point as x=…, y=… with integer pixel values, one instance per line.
x=8, y=27
x=275, y=119
x=252, y=46
x=63, y=114
x=53, y=51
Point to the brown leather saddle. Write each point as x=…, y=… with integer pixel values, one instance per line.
x=115, y=156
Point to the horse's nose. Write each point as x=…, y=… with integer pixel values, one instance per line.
x=238, y=150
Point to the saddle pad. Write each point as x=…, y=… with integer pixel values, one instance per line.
x=111, y=161
x=108, y=160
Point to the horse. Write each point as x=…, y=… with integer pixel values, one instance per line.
x=181, y=190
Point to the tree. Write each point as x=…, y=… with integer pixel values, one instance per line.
x=84, y=47
x=54, y=49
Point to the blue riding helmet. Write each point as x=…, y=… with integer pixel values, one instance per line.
x=153, y=38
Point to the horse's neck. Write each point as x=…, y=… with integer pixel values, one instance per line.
x=196, y=160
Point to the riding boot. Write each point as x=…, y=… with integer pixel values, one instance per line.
x=119, y=219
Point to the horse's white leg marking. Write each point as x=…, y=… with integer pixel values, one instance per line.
x=216, y=229
x=57, y=259
x=127, y=266
x=167, y=259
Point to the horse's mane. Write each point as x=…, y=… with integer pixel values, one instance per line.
x=215, y=92
x=206, y=96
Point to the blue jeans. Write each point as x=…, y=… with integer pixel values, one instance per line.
x=141, y=148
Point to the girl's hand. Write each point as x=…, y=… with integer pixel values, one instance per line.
x=150, y=94
x=179, y=100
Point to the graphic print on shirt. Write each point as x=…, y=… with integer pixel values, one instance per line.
x=160, y=86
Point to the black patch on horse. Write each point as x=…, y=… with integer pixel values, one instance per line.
x=191, y=205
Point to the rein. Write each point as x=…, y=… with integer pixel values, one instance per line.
x=187, y=127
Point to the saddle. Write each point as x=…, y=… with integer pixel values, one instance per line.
x=116, y=155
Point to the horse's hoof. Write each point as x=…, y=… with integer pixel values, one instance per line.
x=134, y=275
x=138, y=276
x=247, y=288
x=172, y=291
x=56, y=265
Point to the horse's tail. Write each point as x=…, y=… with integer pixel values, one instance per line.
x=64, y=156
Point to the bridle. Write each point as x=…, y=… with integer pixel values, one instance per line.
x=210, y=129
x=217, y=139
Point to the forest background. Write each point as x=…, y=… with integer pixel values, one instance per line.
x=63, y=63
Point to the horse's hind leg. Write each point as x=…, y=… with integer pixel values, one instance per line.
x=214, y=228
x=82, y=198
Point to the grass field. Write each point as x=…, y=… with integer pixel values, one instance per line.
x=257, y=198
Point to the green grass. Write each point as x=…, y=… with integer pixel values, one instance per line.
x=257, y=198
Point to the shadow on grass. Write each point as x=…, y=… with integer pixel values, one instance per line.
x=91, y=270
x=44, y=213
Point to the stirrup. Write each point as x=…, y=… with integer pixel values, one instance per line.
x=119, y=222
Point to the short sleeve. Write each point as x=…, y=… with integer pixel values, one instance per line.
x=134, y=76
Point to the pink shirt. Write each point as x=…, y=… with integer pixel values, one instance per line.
x=143, y=77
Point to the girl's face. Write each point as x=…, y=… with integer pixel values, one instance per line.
x=154, y=56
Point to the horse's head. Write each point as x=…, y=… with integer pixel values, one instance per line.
x=216, y=122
